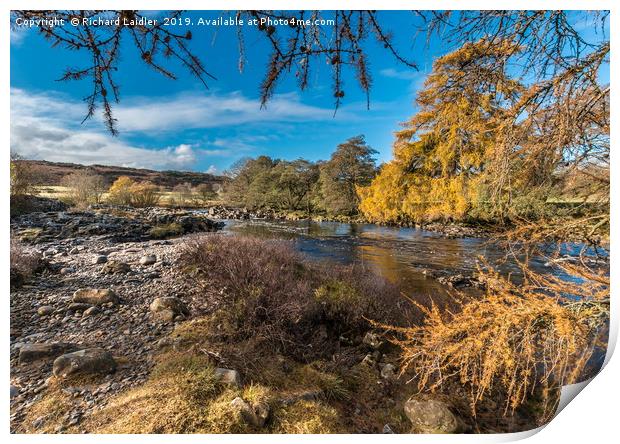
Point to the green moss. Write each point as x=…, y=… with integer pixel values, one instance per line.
x=166, y=230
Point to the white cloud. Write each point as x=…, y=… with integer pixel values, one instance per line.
x=47, y=126
x=212, y=169
x=44, y=127
x=191, y=111
x=400, y=74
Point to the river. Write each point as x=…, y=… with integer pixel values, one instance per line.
x=399, y=254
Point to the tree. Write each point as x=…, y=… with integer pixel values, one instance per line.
x=120, y=192
x=205, y=193
x=352, y=165
x=144, y=194
x=442, y=153
x=21, y=176
x=84, y=187
x=294, y=182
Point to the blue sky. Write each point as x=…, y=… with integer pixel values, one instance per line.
x=178, y=124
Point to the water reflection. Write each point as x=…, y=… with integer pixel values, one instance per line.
x=399, y=254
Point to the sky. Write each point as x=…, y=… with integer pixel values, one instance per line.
x=180, y=125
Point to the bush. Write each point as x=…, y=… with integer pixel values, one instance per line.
x=120, y=191
x=144, y=194
x=514, y=343
x=21, y=176
x=167, y=230
x=273, y=295
x=125, y=191
x=84, y=188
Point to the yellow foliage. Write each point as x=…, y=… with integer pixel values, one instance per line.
x=440, y=155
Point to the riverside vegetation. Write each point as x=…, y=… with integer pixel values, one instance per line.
x=126, y=317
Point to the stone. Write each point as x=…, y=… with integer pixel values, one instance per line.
x=430, y=416
x=66, y=270
x=388, y=371
x=387, y=429
x=38, y=351
x=78, y=306
x=14, y=391
x=228, y=376
x=167, y=308
x=45, y=310
x=116, y=267
x=255, y=415
x=100, y=259
x=84, y=362
x=372, y=339
x=148, y=259
x=95, y=296
x=91, y=311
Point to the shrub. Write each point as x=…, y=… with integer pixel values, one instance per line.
x=515, y=342
x=84, y=188
x=125, y=191
x=167, y=230
x=272, y=294
x=120, y=191
x=21, y=176
x=144, y=194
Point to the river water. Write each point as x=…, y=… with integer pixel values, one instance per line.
x=398, y=254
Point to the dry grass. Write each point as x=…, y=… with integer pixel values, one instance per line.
x=272, y=295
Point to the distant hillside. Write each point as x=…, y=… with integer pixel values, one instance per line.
x=51, y=173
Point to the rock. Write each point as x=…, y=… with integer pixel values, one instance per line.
x=228, y=376
x=255, y=415
x=84, y=362
x=78, y=306
x=95, y=296
x=148, y=259
x=388, y=371
x=167, y=308
x=14, y=391
x=100, y=259
x=35, y=352
x=387, y=429
x=372, y=339
x=66, y=270
x=45, y=310
x=430, y=416
x=116, y=267
x=91, y=311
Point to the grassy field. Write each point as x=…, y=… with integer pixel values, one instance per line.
x=166, y=198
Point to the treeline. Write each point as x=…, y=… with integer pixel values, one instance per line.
x=300, y=185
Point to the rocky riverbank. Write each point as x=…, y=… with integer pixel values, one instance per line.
x=114, y=320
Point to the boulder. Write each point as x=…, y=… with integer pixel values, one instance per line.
x=84, y=362
x=100, y=259
x=388, y=371
x=91, y=311
x=149, y=259
x=430, y=416
x=167, y=308
x=94, y=296
x=45, y=310
x=116, y=267
x=255, y=415
x=38, y=351
x=373, y=340
x=228, y=376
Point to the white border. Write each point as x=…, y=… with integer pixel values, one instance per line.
x=592, y=419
